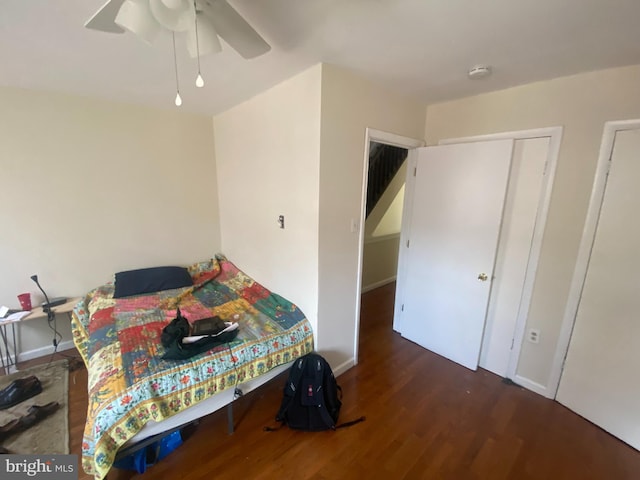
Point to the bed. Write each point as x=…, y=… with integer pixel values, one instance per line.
x=135, y=393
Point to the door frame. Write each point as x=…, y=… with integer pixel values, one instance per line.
x=589, y=231
x=387, y=138
x=555, y=139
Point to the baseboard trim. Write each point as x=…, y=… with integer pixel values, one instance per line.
x=533, y=386
x=343, y=367
x=43, y=351
x=378, y=284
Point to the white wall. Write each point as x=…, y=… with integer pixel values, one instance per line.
x=267, y=154
x=91, y=187
x=350, y=104
x=580, y=103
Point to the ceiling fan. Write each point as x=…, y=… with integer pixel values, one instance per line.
x=202, y=20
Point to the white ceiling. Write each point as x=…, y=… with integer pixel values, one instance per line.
x=420, y=48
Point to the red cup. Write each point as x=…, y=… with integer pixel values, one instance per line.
x=25, y=301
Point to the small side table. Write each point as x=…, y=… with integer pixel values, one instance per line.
x=35, y=314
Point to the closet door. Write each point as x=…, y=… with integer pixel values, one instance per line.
x=601, y=377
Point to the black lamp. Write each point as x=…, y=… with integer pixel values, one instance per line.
x=47, y=305
x=51, y=316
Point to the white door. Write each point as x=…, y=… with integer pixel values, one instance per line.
x=451, y=223
x=600, y=380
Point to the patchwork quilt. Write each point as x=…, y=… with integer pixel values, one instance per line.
x=129, y=383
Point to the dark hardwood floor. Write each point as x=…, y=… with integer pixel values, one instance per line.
x=426, y=418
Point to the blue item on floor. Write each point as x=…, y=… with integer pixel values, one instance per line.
x=151, y=454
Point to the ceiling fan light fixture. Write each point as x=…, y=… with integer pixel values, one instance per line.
x=135, y=16
x=175, y=15
x=179, y=16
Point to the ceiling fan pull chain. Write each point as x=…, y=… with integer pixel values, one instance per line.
x=199, y=79
x=175, y=65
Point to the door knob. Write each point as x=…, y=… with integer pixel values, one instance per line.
x=482, y=277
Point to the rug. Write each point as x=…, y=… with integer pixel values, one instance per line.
x=51, y=434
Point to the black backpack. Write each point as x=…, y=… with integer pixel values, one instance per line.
x=312, y=397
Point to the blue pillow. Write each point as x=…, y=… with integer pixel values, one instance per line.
x=149, y=280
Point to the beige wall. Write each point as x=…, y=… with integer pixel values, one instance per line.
x=379, y=261
x=298, y=150
x=391, y=222
x=91, y=187
x=267, y=155
x=350, y=104
x=581, y=104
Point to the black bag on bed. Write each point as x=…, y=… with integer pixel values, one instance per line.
x=312, y=397
x=179, y=328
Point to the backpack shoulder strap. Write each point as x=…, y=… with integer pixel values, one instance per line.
x=352, y=422
x=326, y=418
x=323, y=411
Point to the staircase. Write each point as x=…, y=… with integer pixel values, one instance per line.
x=384, y=162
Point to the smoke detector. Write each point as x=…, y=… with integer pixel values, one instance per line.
x=479, y=71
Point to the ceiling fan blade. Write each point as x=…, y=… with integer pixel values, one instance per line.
x=233, y=28
x=103, y=19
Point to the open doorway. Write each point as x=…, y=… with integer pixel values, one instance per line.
x=384, y=175
x=383, y=217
